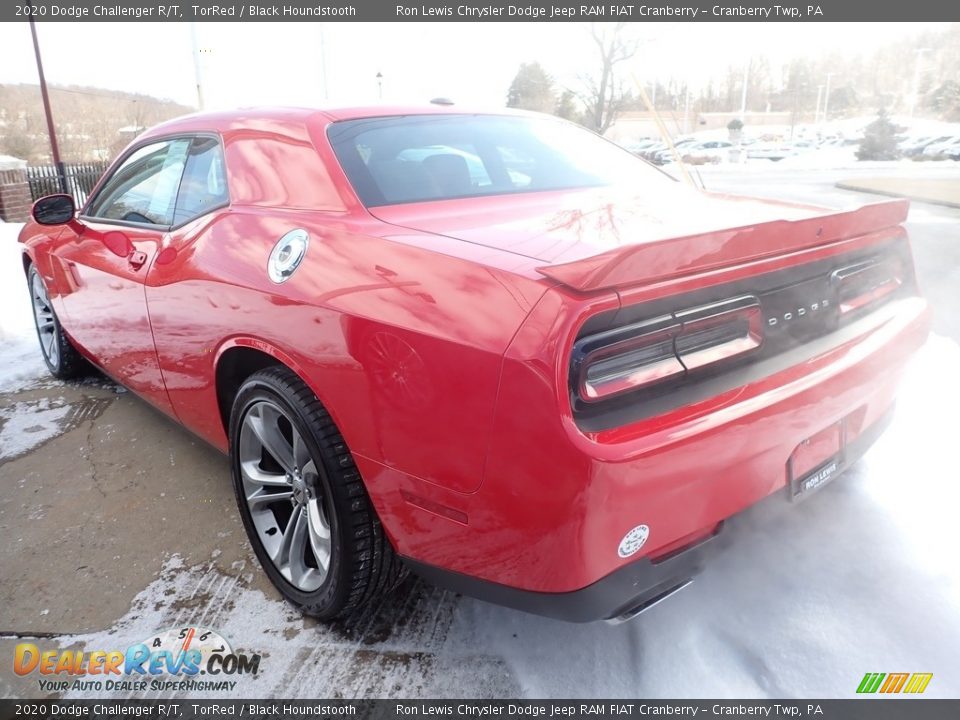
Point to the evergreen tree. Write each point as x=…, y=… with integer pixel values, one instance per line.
x=566, y=107
x=879, y=140
x=532, y=89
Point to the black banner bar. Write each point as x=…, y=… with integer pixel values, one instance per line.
x=866, y=709
x=478, y=11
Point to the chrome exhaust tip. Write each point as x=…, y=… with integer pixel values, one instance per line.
x=647, y=604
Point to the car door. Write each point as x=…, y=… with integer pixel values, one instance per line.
x=190, y=308
x=123, y=227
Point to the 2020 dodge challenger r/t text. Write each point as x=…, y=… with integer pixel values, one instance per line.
x=493, y=348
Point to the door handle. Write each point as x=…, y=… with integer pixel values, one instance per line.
x=137, y=259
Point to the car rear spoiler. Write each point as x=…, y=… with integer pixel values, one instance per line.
x=672, y=257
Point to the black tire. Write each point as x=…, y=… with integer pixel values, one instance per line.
x=62, y=359
x=362, y=564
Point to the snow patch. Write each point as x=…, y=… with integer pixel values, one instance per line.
x=19, y=347
x=395, y=649
x=26, y=425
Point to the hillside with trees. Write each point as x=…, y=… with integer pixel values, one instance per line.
x=92, y=123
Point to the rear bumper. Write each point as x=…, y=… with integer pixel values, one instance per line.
x=621, y=595
x=542, y=533
x=627, y=592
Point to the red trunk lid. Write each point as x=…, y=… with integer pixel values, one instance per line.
x=607, y=238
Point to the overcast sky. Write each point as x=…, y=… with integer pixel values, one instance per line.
x=246, y=64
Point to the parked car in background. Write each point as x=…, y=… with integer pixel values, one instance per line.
x=912, y=147
x=839, y=142
x=650, y=152
x=942, y=148
x=706, y=151
x=773, y=151
x=545, y=382
x=637, y=147
x=665, y=155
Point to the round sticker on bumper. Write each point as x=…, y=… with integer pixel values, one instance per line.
x=633, y=541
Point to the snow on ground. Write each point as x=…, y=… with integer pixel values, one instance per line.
x=26, y=425
x=19, y=349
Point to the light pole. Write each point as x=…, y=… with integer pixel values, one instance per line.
x=645, y=50
x=743, y=97
x=51, y=129
x=197, y=73
x=323, y=64
x=916, y=79
x=816, y=115
x=796, y=105
x=380, y=84
x=826, y=97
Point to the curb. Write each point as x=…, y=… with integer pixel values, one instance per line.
x=918, y=198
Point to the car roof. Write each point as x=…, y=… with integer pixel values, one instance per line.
x=266, y=117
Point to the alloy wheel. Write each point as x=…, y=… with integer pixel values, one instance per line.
x=46, y=323
x=285, y=496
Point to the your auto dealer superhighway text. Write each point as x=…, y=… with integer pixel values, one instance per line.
x=610, y=11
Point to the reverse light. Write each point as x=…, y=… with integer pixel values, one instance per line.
x=864, y=284
x=640, y=355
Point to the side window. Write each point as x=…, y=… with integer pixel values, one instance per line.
x=144, y=188
x=204, y=184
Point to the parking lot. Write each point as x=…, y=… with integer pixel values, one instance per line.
x=117, y=524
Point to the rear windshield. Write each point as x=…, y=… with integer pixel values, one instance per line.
x=416, y=158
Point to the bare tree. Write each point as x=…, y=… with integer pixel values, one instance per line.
x=603, y=94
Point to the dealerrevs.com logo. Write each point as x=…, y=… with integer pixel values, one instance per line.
x=170, y=660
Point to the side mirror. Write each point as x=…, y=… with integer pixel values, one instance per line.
x=54, y=210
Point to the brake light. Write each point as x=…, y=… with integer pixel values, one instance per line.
x=719, y=332
x=861, y=285
x=666, y=348
x=644, y=356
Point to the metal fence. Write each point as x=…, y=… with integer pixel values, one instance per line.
x=75, y=179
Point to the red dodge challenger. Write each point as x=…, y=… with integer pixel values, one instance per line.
x=493, y=348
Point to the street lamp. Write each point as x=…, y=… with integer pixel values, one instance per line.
x=197, y=72
x=826, y=97
x=743, y=96
x=380, y=84
x=916, y=79
x=816, y=115
x=323, y=64
x=51, y=129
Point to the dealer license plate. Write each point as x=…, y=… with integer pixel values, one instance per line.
x=816, y=461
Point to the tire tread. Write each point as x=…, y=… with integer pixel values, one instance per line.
x=375, y=568
x=71, y=363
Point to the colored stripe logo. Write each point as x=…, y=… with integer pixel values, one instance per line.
x=889, y=683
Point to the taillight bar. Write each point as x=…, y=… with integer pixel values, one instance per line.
x=718, y=332
x=644, y=358
x=864, y=284
x=666, y=348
